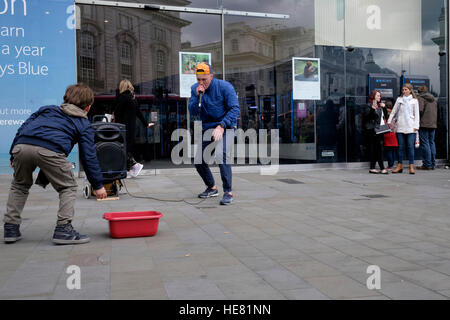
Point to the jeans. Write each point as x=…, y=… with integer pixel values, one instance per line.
x=428, y=147
x=407, y=139
x=223, y=159
x=391, y=155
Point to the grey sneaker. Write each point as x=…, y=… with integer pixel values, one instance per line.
x=227, y=199
x=11, y=232
x=66, y=234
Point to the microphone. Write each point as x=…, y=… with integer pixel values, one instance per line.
x=200, y=93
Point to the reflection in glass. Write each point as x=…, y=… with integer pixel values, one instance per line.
x=144, y=46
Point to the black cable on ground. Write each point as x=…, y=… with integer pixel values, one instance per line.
x=162, y=200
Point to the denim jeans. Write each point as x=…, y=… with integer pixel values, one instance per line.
x=406, y=141
x=223, y=159
x=391, y=155
x=428, y=147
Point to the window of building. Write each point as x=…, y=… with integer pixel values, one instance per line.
x=235, y=45
x=126, y=22
x=161, y=81
x=126, y=61
x=160, y=61
x=87, y=57
x=159, y=34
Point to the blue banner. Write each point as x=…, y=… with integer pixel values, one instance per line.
x=37, y=61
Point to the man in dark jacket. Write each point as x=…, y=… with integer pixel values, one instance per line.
x=428, y=125
x=45, y=140
x=218, y=105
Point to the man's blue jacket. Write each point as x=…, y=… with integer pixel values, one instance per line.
x=59, y=129
x=220, y=105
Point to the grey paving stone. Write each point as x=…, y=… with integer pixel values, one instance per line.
x=249, y=289
x=341, y=262
x=283, y=279
x=179, y=267
x=427, y=278
x=261, y=247
x=409, y=291
x=305, y=294
x=259, y=263
x=358, y=250
x=158, y=293
x=409, y=254
x=87, y=291
x=32, y=279
x=193, y=289
x=445, y=293
x=391, y=263
x=193, y=236
x=340, y=287
x=310, y=269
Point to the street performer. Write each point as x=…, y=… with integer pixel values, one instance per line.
x=217, y=103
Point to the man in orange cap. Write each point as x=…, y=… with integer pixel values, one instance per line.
x=217, y=103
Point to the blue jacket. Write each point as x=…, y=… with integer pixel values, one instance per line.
x=220, y=105
x=59, y=129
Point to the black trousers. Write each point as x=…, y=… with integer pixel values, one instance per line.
x=375, y=148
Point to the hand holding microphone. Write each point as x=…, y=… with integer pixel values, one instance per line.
x=200, y=92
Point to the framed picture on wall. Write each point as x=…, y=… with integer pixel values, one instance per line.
x=188, y=61
x=306, y=78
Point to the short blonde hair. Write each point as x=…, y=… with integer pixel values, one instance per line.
x=125, y=85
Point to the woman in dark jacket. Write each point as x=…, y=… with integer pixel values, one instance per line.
x=374, y=115
x=126, y=111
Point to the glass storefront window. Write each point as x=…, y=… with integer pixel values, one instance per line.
x=350, y=41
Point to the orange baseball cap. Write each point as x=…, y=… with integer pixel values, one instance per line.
x=203, y=68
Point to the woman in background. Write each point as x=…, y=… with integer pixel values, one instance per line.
x=406, y=110
x=375, y=116
x=126, y=111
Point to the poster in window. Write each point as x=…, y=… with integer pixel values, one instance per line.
x=188, y=61
x=306, y=78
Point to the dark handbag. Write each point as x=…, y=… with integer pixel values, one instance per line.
x=382, y=129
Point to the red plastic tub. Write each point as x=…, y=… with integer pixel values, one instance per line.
x=133, y=224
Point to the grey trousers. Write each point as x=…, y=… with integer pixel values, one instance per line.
x=58, y=171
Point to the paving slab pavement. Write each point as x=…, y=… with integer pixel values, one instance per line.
x=313, y=239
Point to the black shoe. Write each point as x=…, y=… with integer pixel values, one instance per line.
x=11, y=232
x=66, y=234
x=208, y=193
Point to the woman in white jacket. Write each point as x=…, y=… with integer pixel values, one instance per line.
x=406, y=111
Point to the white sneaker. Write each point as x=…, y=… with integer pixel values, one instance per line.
x=136, y=169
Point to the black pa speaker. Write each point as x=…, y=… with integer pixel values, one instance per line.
x=110, y=144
